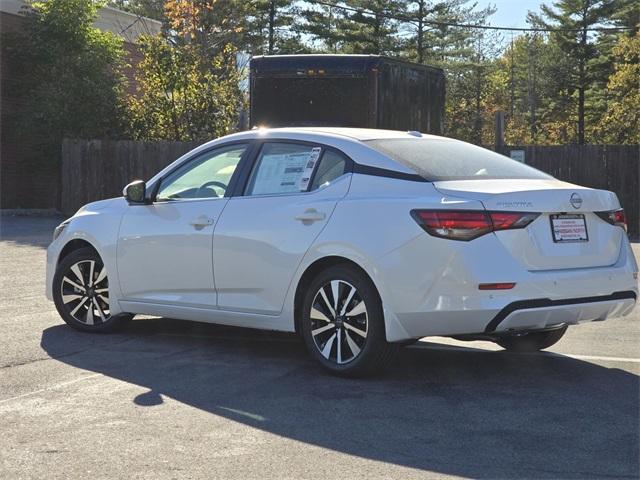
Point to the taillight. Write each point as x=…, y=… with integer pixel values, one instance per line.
x=496, y=286
x=469, y=224
x=511, y=220
x=614, y=217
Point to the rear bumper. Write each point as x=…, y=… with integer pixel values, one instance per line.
x=446, y=301
x=544, y=313
x=514, y=315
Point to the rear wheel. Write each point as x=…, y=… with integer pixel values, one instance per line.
x=532, y=341
x=343, y=323
x=81, y=293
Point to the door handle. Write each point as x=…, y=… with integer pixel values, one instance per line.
x=311, y=215
x=201, y=222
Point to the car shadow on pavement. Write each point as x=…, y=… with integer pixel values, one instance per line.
x=34, y=231
x=457, y=411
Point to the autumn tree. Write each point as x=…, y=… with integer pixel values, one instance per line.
x=146, y=8
x=621, y=121
x=188, y=83
x=468, y=111
x=532, y=91
x=211, y=25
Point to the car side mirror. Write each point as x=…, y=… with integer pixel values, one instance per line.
x=135, y=192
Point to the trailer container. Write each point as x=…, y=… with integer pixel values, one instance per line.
x=369, y=91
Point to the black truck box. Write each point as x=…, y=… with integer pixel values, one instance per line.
x=346, y=90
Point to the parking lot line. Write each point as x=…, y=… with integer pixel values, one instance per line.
x=543, y=353
x=604, y=359
x=51, y=387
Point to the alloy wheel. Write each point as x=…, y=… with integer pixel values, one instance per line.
x=85, y=292
x=339, y=322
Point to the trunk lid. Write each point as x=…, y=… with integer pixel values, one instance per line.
x=534, y=246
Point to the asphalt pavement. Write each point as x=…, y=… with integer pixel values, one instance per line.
x=172, y=399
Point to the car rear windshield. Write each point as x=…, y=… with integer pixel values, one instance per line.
x=446, y=159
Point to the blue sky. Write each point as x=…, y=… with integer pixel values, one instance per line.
x=512, y=13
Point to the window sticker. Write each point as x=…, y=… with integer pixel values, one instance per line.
x=280, y=173
x=308, y=170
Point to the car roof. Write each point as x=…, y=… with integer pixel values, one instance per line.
x=361, y=134
x=348, y=140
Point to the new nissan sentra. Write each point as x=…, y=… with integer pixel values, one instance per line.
x=359, y=240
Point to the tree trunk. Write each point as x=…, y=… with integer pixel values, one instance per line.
x=581, y=115
x=420, y=31
x=272, y=21
x=333, y=45
x=532, y=90
x=477, y=127
x=582, y=82
x=376, y=36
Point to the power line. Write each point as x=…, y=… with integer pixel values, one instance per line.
x=404, y=18
x=138, y=19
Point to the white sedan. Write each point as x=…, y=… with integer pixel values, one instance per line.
x=359, y=240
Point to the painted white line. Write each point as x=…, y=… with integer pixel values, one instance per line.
x=52, y=387
x=604, y=359
x=455, y=348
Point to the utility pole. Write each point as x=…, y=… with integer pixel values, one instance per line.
x=512, y=83
x=499, y=131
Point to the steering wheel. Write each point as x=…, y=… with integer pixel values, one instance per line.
x=212, y=183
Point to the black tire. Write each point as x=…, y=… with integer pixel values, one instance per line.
x=346, y=351
x=532, y=341
x=84, y=303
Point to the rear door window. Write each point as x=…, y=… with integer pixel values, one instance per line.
x=332, y=165
x=285, y=168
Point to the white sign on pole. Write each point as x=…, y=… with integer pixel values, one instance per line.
x=518, y=155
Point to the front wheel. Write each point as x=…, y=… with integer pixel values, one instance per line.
x=532, y=341
x=343, y=323
x=81, y=293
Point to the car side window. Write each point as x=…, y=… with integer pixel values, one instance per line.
x=207, y=176
x=332, y=165
x=283, y=168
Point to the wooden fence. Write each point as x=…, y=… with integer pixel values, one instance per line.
x=607, y=167
x=96, y=169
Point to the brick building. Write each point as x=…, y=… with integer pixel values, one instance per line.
x=29, y=177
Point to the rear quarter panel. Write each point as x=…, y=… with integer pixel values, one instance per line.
x=372, y=226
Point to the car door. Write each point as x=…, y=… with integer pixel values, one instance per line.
x=164, y=251
x=263, y=233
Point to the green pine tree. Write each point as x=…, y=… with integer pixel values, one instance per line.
x=574, y=18
x=273, y=28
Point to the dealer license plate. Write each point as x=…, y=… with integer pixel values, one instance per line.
x=569, y=228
